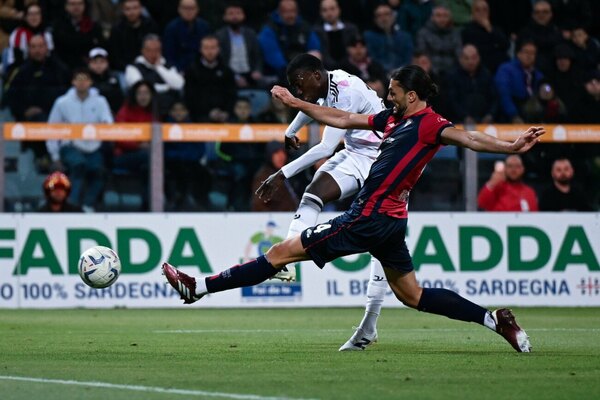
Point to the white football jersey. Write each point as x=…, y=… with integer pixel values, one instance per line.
x=349, y=93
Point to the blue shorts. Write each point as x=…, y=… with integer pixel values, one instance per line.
x=378, y=234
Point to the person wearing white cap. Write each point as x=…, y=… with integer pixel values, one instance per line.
x=105, y=80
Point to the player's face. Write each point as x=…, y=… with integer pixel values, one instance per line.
x=306, y=85
x=398, y=97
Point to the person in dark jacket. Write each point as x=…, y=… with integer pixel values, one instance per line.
x=240, y=49
x=544, y=33
x=471, y=91
x=440, y=40
x=284, y=37
x=561, y=195
x=491, y=42
x=32, y=87
x=75, y=34
x=334, y=34
x=105, y=80
x=360, y=64
x=567, y=79
x=127, y=35
x=183, y=34
x=210, y=89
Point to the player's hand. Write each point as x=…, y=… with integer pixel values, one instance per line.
x=283, y=94
x=292, y=142
x=528, y=139
x=266, y=190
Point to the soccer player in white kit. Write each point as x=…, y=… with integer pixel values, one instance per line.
x=339, y=177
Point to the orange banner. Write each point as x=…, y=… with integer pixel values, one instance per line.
x=249, y=133
x=554, y=133
x=43, y=131
x=226, y=132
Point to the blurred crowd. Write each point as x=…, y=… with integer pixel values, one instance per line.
x=99, y=61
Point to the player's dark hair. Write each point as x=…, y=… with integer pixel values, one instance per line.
x=304, y=62
x=414, y=78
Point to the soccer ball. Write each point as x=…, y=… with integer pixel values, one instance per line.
x=99, y=267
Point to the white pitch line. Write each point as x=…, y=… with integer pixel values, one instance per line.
x=152, y=389
x=186, y=331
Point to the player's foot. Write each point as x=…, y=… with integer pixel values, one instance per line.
x=359, y=341
x=286, y=274
x=183, y=283
x=507, y=327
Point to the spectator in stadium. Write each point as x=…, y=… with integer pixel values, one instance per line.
x=210, y=89
x=129, y=156
x=505, y=190
x=75, y=34
x=440, y=40
x=544, y=33
x=128, y=33
x=56, y=188
x=471, y=91
x=285, y=36
x=183, y=34
x=82, y=159
x=184, y=163
x=242, y=111
x=517, y=81
x=562, y=195
x=589, y=109
x=240, y=49
x=377, y=219
x=567, y=79
x=33, y=24
x=106, y=13
x=491, y=42
x=286, y=199
x=105, y=80
x=388, y=44
x=360, y=64
x=333, y=33
x=30, y=89
x=152, y=67
x=587, y=49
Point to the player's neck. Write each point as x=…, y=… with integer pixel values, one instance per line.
x=414, y=108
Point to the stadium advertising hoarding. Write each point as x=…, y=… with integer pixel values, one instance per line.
x=492, y=259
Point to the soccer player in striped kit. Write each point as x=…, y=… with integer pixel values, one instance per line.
x=377, y=219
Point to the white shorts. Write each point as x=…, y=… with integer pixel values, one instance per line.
x=349, y=170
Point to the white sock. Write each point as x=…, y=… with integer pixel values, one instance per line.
x=308, y=211
x=201, y=286
x=489, y=321
x=375, y=294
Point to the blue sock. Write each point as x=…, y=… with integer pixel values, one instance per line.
x=248, y=274
x=448, y=303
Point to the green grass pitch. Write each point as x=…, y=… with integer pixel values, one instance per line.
x=292, y=354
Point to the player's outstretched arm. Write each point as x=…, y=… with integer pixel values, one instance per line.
x=481, y=142
x=325, y=115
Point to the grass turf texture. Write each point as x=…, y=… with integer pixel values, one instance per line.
x=293, y=354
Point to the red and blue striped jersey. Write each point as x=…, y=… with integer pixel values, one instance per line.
x=408, y=144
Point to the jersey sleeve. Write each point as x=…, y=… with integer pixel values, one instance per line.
x=431, y=128
x=378, y=121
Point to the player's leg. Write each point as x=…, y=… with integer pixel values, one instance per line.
x=452, y=305
x=247, y=274
x=366, y=332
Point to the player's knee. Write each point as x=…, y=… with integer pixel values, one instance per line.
x=276, y=254
x=409, y=298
